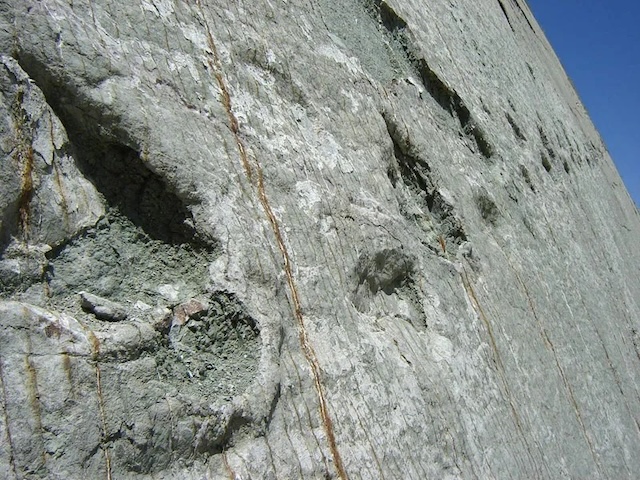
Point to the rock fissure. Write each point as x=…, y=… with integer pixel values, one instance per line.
x=35, y=404
x=524, y=14
x=568, y=389
x=7, y=424
x=23, y=156
x=444, y=95
x=409, y=170
x=227, y=466
x=506, y=16
x=515, y=127
x=477, y=306
x=103, y=419
x=309, y=352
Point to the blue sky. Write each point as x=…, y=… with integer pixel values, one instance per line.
x=598, y=42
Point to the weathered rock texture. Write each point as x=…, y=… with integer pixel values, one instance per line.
x=291, y=239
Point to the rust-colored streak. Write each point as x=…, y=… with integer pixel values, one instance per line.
x=95, y=350
x=53, y=330
x=63, y=198
x=213, y=60
x=227, y=466
x=26, y=189
x=25, y=160
x=498, y=359
x=34, y=399
x=485, y=320
x=66, y=367
x=443, y=244
x=547, y=341
x=9, y=440
x=257, y=180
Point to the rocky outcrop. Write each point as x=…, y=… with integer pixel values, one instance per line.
x=357, y=239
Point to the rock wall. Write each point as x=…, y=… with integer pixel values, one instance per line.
x=308, y=239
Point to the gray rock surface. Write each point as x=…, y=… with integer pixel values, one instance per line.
x=357, y=239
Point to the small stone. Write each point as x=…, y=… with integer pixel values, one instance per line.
x=190, y=309
x=162, y=318
x=143, y=307
x=169, y=292
x=102, y=308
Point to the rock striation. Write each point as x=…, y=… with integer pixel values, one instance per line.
x=308, y=239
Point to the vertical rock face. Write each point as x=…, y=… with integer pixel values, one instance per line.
x=356, y=239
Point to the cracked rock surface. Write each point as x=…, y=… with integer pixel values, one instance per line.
x=290, y=239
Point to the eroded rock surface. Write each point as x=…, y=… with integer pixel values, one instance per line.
x=357, y=239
